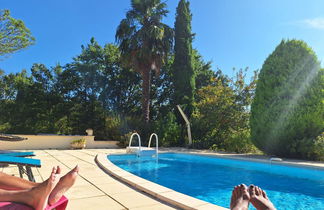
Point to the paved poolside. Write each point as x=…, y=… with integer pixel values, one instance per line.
x=94, y=189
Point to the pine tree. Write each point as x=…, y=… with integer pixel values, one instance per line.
x=14, y=35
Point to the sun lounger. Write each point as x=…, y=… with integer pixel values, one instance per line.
x=17, y=154
x=24, y=164
x=60, y=205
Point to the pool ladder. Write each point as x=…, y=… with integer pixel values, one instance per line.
x=143, y=151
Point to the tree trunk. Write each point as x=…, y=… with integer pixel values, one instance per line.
x=146, y=85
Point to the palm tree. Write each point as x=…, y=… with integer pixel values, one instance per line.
x=144, y=42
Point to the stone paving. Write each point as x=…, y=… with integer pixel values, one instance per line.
x=94, y=189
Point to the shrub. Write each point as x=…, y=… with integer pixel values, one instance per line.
x=312, y=149
x=78, y=144
x=62, y=126
x=287, y=112
x=239, y=142
x=4, y=127
x=222, y=114
x=112, y=128
x=124, y=139
x=318, y=148
x=168, y=130
x=129, y=125
x=79, y=141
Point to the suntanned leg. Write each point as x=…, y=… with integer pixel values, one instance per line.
x=240, y=198
x=36, y=197
x=13, y=182
x=64, y=184
x=259, y=199
x=8, y=182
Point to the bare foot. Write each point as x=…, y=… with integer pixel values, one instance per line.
x=63, y=185
x=240, y=198
x=259, y=199
x=38, y=196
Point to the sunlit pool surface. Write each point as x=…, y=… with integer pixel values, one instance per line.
x=212, y=179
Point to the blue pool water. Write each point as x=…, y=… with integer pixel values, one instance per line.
x=212, y=179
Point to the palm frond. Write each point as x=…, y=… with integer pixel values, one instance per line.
x=143, y=40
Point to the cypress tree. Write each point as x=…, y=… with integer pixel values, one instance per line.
x=183, y=72
x=288, y=112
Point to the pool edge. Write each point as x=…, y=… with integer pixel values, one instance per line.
x=157, y=191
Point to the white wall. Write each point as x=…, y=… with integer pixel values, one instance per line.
x=53, y=142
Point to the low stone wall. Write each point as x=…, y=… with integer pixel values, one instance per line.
x=53, y=142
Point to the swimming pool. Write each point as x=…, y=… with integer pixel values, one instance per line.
x=212, y=178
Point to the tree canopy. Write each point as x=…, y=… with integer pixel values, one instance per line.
x=14, y=35
x=221, y=118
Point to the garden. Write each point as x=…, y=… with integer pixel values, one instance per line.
x=135, y=84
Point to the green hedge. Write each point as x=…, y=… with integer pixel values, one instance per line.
x=288, y=107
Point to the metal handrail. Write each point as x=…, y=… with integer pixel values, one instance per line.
x=156, y=141
x=139, y=140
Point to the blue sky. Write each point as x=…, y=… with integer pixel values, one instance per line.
x=230, y=33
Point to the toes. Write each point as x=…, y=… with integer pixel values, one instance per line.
x=54, y=169
x=58, y=171
x=258, y=191
x=242, y=187
x=238, y=191
x=76, y=169
x=252, y=190
x=264, y=194
x=235, y=191
x=244, y=192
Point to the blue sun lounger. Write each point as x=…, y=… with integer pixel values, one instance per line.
x=24, y=164
x=18, y=154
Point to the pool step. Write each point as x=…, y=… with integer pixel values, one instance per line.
x=150, y=152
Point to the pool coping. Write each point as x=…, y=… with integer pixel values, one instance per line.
x=295, y=163
x=160, y=192
x=179, y=199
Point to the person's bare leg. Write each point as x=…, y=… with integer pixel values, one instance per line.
x=36, y=197
x=16, y=183
x=64, y=184
x=240, y=198
x=8, y=182
x=259, y=199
